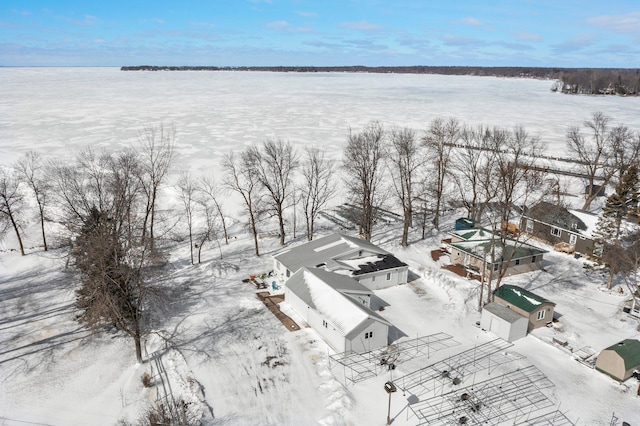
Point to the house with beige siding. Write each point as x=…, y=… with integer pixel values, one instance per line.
x=537, y=309
x=475, y=248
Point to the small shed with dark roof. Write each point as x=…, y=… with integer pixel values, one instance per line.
x=538, y=309
x=620, y=360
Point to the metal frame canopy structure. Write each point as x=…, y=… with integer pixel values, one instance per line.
x=362, y=366
x=510, y=398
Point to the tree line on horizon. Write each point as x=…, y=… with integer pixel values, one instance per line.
x=105, y=203
x=586, y=81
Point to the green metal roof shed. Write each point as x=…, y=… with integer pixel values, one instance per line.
x=517, y=296
x=620, y=360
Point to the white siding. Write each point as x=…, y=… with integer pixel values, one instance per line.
x=377, y=333
x=396, y=276
x=502, y=328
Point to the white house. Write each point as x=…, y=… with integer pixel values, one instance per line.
x=337, y=307
x=503, y=322
x=372, y=266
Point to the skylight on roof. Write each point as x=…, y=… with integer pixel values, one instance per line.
x=328, y=246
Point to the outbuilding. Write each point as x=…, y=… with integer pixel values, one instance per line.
x=503, y=322
x=620, y=360
x=538, y=310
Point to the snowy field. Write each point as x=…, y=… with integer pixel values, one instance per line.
x=226, y=355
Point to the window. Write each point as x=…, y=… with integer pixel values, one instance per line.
x=529, y=226
x=517, y=262
x=556, y=232
x=368, y=335
x=540, y=315
x=495, y=266
x=533, y=259
x=388, y=276
x=598, y=248
x=373, y=278
x=573, y=238
x=288, y=273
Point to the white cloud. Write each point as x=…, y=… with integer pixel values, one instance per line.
x=629, y=23
x=202, y=24
x=525, y=35
x=286, y=27
x=278, y=25
x=306, y=14
x=468, y=20
x=577, y=43
x=360, y=26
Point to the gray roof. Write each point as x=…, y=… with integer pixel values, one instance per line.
x=312, y=285
x=503, y=312
x=340, y=282
x=513, y=250
x=557, y=216
x=326, y=251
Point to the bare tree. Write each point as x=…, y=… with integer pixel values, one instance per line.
x=405, y=161
x=208, y=211
x=594, y=155
x=211, y=192
x=241, y=178
x=102, y=199
x=11, y=201
x=363, y=163
x=274, y=166
x=473, y=166
x=319, y=187
x=32, y=169
x=517, y=183
x=157, y=146
x=439, y=140
x=187, y=188
x=625, y=150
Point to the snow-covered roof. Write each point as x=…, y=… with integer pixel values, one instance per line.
x=572, y=220
x=589, y=220
x=509, y=315
x=325, y=291
x=472, y=234
x=520, y=297
x=338, y=252
x=482, y=249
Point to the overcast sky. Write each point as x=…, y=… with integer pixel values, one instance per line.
x=564, y=33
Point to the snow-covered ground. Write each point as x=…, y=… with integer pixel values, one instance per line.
x=237, y=364
x=217, y=346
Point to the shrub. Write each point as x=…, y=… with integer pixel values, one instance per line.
x=147, y=380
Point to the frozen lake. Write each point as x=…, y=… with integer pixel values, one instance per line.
x=60, y=110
